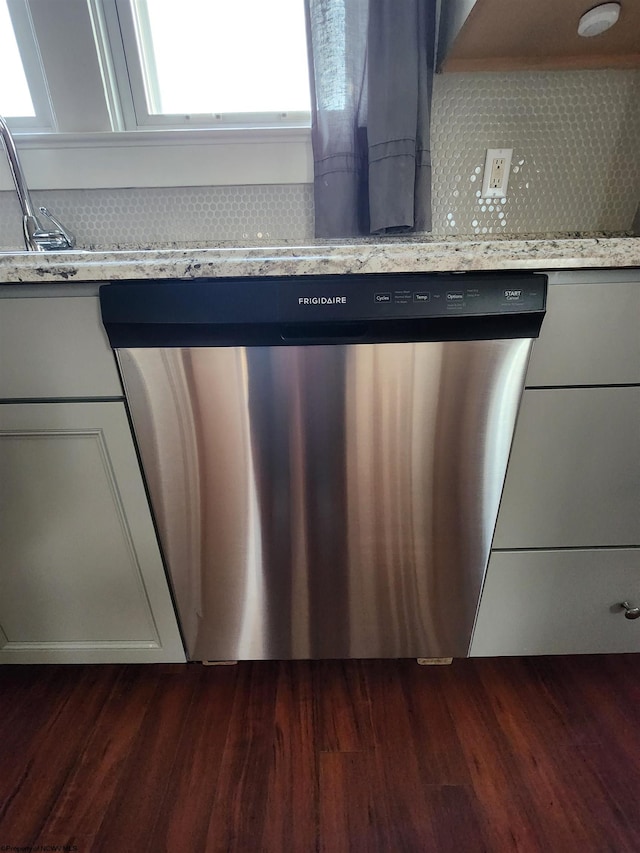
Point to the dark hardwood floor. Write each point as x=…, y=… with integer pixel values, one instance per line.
x=534, y=754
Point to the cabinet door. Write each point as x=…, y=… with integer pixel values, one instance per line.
x=558, y=602
x=590, y=333
x=81, y=577
x=574, y=474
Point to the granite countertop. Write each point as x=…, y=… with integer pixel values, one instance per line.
x=322, y=258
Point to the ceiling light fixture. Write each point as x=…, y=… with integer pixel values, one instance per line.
x=598, y=20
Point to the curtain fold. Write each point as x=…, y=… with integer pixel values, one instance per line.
x=371, y=67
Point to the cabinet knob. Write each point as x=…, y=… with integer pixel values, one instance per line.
x=629, y=611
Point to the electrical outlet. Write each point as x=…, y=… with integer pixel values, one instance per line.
x=496, y=172
x=496, y=178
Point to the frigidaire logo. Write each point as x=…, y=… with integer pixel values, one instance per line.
x=322, y=300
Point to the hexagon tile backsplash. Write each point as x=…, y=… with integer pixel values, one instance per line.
x=108, y=218
x=575, y=137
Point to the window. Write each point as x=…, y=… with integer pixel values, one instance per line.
x=136, y=92
x=15, y=100
x=25, y=102
x=207, y=63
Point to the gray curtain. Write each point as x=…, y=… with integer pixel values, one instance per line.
x=371, y=67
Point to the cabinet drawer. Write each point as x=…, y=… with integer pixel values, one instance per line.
x=589, y=335
x=55, y=348
x=558, y=602
x=574, y=473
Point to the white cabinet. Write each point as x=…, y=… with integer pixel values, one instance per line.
x=559, y=602
x=81, y=577
x=566, y=551
x=590, y=333
x=54, y=347
x=574, y=473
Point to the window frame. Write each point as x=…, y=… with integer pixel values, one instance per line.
x=93, y=139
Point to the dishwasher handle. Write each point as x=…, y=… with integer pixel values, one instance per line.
x=313, y=333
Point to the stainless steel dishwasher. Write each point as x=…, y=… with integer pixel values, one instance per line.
x=325, y=456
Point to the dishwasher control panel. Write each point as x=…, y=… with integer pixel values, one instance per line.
x=409, y=295
x=365, y=308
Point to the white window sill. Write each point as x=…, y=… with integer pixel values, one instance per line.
x=163, y=158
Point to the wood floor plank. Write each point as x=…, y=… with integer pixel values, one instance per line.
x=343, y=706
x=456, y=823
x=516, y=707
x=617, y=789
x=624, y=671
x=603, y=688
x=608, y=823
x=608, y=766
x=27, y=706
x=24, y=691
x=409, y=810
x=97, y=774
x=561, y=715
x=32, y=785
x=441, y=758
x=508, y=819
x=239, y=812
x=353, y=810
x=132, y=814
x=187, y=805
x=293, y=780
x=564, y=679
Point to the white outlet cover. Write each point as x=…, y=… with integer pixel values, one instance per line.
x=493, y=154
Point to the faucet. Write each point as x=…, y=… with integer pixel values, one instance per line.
x=38, y=237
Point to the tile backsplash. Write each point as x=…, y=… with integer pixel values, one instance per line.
x=576, y=168
x=575, y=137
x=107, y=218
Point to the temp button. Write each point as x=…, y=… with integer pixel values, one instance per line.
x=422, y=297
x=382, y=297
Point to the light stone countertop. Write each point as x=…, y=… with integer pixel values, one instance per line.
x=322, y=258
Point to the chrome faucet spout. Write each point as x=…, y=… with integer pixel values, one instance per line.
x=37, y=237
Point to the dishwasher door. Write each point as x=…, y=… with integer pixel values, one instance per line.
x=326, y=501
x=322, y=500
